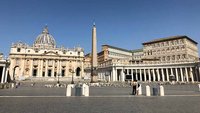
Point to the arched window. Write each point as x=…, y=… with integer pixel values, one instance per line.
x=78, y=70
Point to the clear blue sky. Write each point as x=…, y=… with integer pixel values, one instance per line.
x=121, y=23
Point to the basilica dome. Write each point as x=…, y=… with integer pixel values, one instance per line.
x=45, y=40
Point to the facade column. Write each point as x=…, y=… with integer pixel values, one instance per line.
x=82, y=69
x=145, y=76
x=136, y=74
x=41, y=67
x=149, y=74
x=158, y=74
x=176, y=74
x=53, y=68
x=22, y=67
x=154, y=75
x=38, y=72
x=31, y=67
x=58, y=68
x=181, y=74
x=186, y=74
x=140, y=74
x=167, y=71
x=191, y=75
x=46, y=68
x=163, y=76
x=3, y=75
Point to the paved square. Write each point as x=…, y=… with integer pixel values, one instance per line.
x=110, y=99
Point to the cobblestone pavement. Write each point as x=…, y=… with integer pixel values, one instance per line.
x=112, y=99
x=178, y=104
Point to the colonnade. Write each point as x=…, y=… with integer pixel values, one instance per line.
x=4, y=74
x=164, y=74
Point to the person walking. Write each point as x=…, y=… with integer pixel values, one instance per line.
x=134, y=86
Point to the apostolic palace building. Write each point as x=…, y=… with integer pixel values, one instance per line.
x=164, y=59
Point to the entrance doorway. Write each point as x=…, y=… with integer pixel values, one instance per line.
x=34, y=72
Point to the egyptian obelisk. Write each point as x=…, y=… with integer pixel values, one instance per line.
x=94, y=55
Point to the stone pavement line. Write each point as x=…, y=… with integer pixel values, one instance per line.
x=123, y=96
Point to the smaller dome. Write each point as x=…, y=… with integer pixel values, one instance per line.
x=45, y=39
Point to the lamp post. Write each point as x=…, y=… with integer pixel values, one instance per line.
x=72, y=71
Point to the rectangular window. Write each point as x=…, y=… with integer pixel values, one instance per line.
x=18, y=49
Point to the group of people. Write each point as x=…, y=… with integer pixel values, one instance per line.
x=135, y=85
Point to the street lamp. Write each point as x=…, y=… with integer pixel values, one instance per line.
x=72, y=71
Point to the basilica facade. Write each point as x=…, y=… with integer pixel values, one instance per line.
x=44, y=60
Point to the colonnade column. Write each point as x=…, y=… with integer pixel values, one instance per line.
x=149, y=73
x=127, y=72
x=123, y=76
x=186, y=74
x=113, y=74
x=131, y=75
x=145, y=78
x=158, y=74
x=154, y=75
x=172, y=72
x=176, y=74
x=3, y=75
x=140, y=74
x=136, y=74
x=163, y=76
x=181, y=74
x=6, y=75
x=167, y=71
x=191, y=75
x=199, y=74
